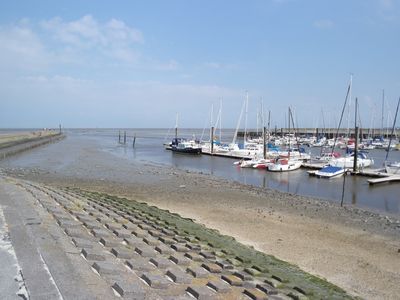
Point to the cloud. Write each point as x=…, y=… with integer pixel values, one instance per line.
x=219, y=66
x=21, y=48
x=112, y=38
x=323, y=24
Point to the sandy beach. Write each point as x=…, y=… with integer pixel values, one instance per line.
x=357, y=250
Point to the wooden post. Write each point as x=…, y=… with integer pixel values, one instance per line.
x=343, y=187
x=124, y=137
x=355, y=140
x=212, y=140
x=355, y=150
x=264, y=146
x=119, y=136
x=134, y=140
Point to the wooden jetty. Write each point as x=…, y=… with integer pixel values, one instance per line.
x=385, y=179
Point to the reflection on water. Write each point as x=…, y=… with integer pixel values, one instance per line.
x=357, y=190
x=148, y=148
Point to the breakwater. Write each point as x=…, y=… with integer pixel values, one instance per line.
x=19, y=145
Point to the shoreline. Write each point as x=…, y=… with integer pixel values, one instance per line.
x=20, y=143
x=356, y=249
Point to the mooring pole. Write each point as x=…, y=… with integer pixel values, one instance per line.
x=119, y=136
x=355, y=150
x=264, y=145
x=212, y=140
x=124, y=137
x=356, y=141
x=134, y=140
x=344, y=184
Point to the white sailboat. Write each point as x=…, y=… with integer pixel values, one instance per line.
x=284, y=164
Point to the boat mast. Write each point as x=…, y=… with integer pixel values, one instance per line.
x=176, y=126
x=289, y=133
x=245, y=119
x=238, y=123
x=383, y=104
x=391, y=135
x=348, y=113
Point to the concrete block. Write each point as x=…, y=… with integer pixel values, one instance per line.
x=207, y=254
x=140, y=233
x=134, y=241
x=122, y=233
x=164, y=249
x=85, y=218
x=255, y=294
x=133, y=290
x=178, y=276
x=198, y=272
x=113, y=226
x=166, y=240
x=194, y=256
x=193, y=247
x=266, y=288
x=121, y=252
x=145, y=251
x=92, y=225
x=110, y=242
x=179, y=259
x=151, y=241
x=68, y=223
x=232, y=280
x=201, y=292
x=212, y=268
x=76, y=232
x=105, y=268
x=140, y=264
x=91, y=254
x=161, y=262
x=82, y=243
x=225, y=265
x=179, y=247
x=100, y=233
x=156, y=281
x=219, y=286
x=243, y=275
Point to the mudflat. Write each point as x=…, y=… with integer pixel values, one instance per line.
x=356, y=249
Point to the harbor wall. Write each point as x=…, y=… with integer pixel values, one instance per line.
x=19, y=146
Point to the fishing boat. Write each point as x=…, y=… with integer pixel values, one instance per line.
x=184, y=146
x=330, y=172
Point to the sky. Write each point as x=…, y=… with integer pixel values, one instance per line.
x=136, y=64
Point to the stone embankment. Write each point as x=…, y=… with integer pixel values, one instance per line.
x=17, y=144
x=76, y=244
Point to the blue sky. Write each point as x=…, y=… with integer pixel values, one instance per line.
x=138, y=63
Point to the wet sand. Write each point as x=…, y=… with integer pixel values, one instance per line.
x=355, y=249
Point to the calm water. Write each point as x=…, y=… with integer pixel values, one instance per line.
x=149, y=148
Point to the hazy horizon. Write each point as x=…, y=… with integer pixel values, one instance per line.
x=137, y=64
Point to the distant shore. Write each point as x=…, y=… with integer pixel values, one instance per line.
x=356, y=249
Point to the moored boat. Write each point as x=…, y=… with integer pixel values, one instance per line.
x=330, y=172
x=184, y=146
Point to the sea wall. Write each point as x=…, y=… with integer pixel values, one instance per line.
x=19, y=146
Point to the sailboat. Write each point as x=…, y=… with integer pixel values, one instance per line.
x=283, y=164
x=392, y=167
x=182, y=145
